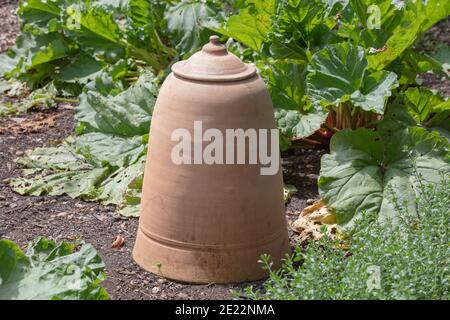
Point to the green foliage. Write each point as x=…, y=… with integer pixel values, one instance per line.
x=404, y=260
x=427, y=108
x=50, y=271
x=400, y=28
x=106, y=161
x=300, y=27
x=339, y=74
x=71, y=41
x=365, y=168
x=41, y=97
x=292, y=123
x=185, y=22
x=251, y=25
x=349, y=55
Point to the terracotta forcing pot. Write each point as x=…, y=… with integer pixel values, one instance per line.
x=203, y=222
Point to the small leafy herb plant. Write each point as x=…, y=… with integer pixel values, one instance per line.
x=404, y=259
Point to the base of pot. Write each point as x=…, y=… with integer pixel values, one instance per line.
x=199, y=266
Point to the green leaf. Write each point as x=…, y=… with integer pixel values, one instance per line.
x=127, y=114
x=8, y=61
x=106, y=162
x=35, y=57
x=93, y=167
x=379, y=171
x=294, y=117
x=96, y=31
x=185, y=23
x=286, y=84
x=38, y=13
x=117, y=5
x=81, y=69
x=117, y=188
x=443, y=56
x=55, y=158
x=50, y=271
x=40, y=97
x=338, y=73
x=419, y=106
x=294, y=124
x=143, y=26
x=416, y=18
x=420, y=102
x=412, y=63
x=301, y=26
x=99, y=147
x=426, y=109
x=251, y=25
x=376, y=87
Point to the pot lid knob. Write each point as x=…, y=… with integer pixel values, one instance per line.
x=213, y=63
x=214, y=46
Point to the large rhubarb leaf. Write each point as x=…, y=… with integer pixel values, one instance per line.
x=419, y=106
x=424, y=106
x=185, y=22
x=286, y=84
x=412, y=63
x=50, y=271
x=302, y=26
x=251, y=25
x=294, y=124
x=402, y=23
x=339, y=73
x=127, y=114
x=443, y=56
x=97, y=31
x=295, y=118
x=377, y=171
x=106, y=162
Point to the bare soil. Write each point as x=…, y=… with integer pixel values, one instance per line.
x=9, y=24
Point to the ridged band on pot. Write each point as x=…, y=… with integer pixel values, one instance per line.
x=203, y=223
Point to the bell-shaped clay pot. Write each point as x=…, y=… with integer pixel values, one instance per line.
x=202, y=222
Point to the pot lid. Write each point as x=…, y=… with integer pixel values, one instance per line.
x=213, y=63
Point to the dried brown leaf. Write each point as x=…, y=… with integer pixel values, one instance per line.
x=118, y=242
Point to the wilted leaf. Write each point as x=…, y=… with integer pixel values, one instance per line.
x=105, y=162
x=311, y=223
x=118, y=242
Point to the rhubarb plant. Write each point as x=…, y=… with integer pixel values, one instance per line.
x=348, y=70
x=70, y=42
x=51, y=271
x=105, y=162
